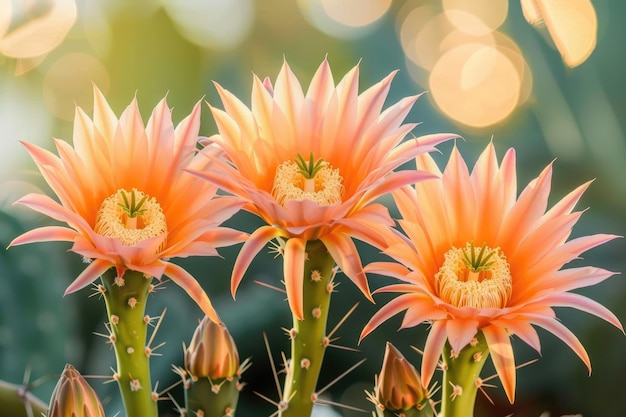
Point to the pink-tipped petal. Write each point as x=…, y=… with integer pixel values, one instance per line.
x=344, y=252
x=432, y=350
x=293, y=268
x=566, y=335
x=45, y=234
x=253, y=245
x=89, y=275
x=460, y=332
x=188, y=283
x=502, y=355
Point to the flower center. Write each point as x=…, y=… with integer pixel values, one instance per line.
x=300, y=179
x=131, y=217
x=472, y=277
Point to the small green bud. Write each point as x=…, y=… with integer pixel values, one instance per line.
x=73, y=396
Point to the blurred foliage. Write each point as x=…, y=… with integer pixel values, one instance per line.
x=146, y=56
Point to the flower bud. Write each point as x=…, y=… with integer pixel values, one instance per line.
x=399, y=386
x=212, y=352
x=73, y=396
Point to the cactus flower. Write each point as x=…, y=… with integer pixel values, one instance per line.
x=127, y=200
x=212, y=352
x=311, y=165
x=73, y=396
x=399, y=387
x=481, y=261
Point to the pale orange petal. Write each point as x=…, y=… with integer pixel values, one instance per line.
x=293, y=272
x=188, y=283
x=563, y=333
x=45, y=234
x=253, y=245
x=432, y=350
x=460, y=332
x=89, y=275
x=344, y=252
x=585, y=304
x=502, y=356
x=395, y=306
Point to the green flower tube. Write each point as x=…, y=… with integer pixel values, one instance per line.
x=461, y=377
x=125, y=302
x=308, y=336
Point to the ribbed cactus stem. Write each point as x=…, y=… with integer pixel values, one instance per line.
x=212, y=398
x=308, y=336
x=461, y=377
x=126, y=301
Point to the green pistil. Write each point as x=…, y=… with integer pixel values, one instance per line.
x=309, y=168
x=477, y=263
x=132, y=209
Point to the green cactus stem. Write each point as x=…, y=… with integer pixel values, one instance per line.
x=16, y=401
x=308, y=336
x=125, y=302
x=212, y=398
x=461, y=377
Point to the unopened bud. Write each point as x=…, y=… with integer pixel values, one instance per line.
x=73, y=396
x=399, y=387
x=212, y=352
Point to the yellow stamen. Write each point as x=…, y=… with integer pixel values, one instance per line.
x=131, y=217
x=467, y=280
x=324, y=187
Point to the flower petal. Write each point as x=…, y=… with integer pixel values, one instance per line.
x=45, y=234
x=89, y=275
x=253, y=245
x=293, y=267
x=188, y=283
x=502, y=356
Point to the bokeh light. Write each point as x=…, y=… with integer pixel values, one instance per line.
x=476, y=17
x=572, y=24
x=218, y=24
x=477, y=75
x=344, y=19
x=475, y=84
x=39, y=30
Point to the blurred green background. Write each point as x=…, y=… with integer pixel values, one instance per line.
x=149, y=49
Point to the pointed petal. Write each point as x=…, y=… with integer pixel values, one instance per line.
x=294, y=274
x=502, y=356
x=432, y=350
x=585, y=304
x=460, y=332
x=253, y=245
x=344, y=252
x=188, y=283
x=563, y=333
x=89, y=275
x=387, y=311
x=45, y=234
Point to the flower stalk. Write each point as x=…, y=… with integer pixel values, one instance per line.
x=461, y=377
x=308, y=336
x=125, y=303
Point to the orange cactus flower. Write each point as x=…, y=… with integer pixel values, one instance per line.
x=480, y=258
x=312, y=164
x=126, y=198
